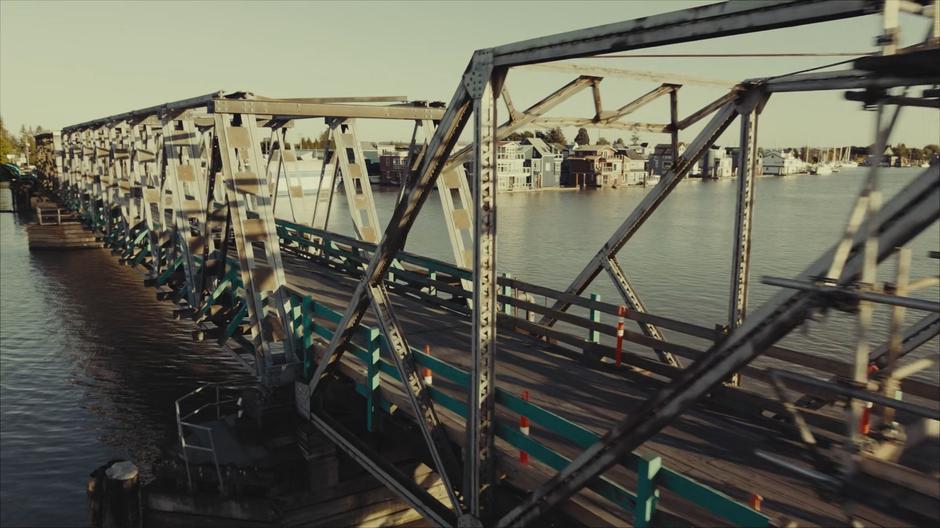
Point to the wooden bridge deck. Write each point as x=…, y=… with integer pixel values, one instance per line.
x=709, y=444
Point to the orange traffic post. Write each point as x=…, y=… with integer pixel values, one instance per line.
x=524, y=429
x=755, y=501
x=618, y=359
x=428, y=376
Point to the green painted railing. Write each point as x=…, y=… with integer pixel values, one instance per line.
x=652, y=475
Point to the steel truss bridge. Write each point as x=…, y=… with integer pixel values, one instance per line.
x=184, y=190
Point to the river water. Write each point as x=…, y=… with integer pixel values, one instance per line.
x=90, y=362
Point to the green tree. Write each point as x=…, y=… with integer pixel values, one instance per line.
x=322, y=141
x=619, y=142
x=519, y=136
x=901, y=151
x=582, y=138
x=603, y=141
x=931, y=150
x=7, y=143
x=634, y=138
x=555, y=135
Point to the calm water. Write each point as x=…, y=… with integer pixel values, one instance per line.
x=91, y=365
x=91, y=362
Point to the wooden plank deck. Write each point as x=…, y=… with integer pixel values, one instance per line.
x=709, y=444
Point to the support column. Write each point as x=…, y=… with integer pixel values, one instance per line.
x=483, y=83
x=747, y=174
x=356, y=184
x=262, y=271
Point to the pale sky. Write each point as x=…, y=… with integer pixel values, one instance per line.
x=66, y=62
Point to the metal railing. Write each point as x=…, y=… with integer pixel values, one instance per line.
x=185, y=424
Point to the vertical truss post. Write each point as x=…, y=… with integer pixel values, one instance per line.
x=120, y=184
x=456, y=202
x=483, y=83
x=869, y=275
x=148, y=158
x=674, y=122
x=181, y=146
x=749, y=109
x=356, y=184
x=86, y=174
x=102, y=153
x=895, y=339
x=135, y=172
x=262, y=271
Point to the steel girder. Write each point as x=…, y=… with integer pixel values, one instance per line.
x=358, y=188
x=483, y=84
x=299, y=109
x=262, y=272
x=744, y=210
x=185, y=183
x=183, y=104
x=445, y=461
x=701, y=23
x=911, y=211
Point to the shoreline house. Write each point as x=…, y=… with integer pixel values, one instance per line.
x=393, y=166
x=635, y=164
x=544, y=163
x=716, y=164
x=778, y=163
x=734, y=153
x=662, y=159
x=594, y=166
x=511, y=168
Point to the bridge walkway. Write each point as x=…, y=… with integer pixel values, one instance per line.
x=708, y=444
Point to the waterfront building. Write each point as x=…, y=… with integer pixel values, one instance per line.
x=778, y=163
x=393, y=166
x=635, y=164
x=716, y=164
x=544, y=163
x=595, y=166
x=513, y=174
x=662, y=158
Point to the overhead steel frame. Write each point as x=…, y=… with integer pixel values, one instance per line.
x=487, y=70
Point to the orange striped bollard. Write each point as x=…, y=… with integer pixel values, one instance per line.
x=524, y=429
x=428, y=376
x=617, y=355
x=755, y=501
x=864, y=424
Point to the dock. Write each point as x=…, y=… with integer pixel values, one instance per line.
x=59, y=228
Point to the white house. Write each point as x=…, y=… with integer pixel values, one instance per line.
x=781, y=163
x=512, y=172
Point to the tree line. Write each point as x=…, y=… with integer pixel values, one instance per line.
x=17, y=145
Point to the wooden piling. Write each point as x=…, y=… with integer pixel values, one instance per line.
x=114, y=496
